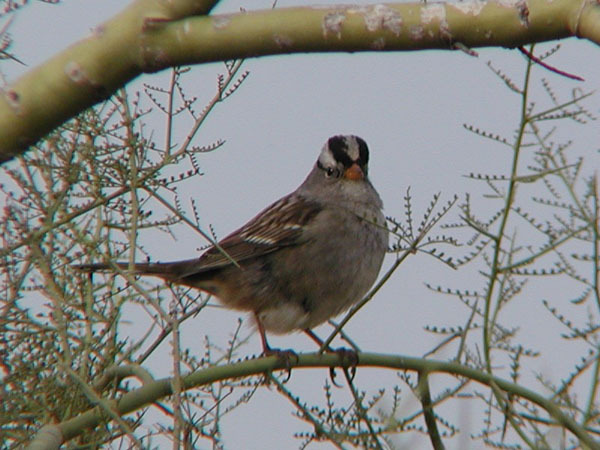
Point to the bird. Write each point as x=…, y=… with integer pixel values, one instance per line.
x=304, y=259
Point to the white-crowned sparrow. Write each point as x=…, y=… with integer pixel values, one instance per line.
x=304, y=259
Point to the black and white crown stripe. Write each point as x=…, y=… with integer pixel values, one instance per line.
x=346, y=150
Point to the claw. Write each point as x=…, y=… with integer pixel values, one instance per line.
x=284, y=357
x=332, y=376
x=348, y=358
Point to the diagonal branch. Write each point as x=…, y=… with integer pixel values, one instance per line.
x=428, y=412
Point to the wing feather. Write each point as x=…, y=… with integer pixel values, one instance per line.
x=279, y=225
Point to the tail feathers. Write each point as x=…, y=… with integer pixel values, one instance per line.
x=99, y=267
x=169, y=270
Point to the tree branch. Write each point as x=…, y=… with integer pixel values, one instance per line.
x=151, y=392
x=151, y=35
x=428, y=412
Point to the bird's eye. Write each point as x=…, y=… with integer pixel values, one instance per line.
x=330, y=172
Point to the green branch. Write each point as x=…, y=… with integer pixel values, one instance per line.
x=153, y=391
x=151, y=35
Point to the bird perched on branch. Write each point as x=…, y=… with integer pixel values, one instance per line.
x=306, y=258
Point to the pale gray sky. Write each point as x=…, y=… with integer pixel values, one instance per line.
x=409, y=107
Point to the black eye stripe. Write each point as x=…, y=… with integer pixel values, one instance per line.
x=363, y=152
x=339, y=147
x=328, y=170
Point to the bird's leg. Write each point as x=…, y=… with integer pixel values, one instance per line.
x=311, y=334
x=285, y=356
x=348, y=357
x=267, y=350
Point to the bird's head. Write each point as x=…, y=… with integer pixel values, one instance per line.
x=344, y=157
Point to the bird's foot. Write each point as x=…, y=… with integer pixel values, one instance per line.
x=348, y=357
x=284, y=357
x=348, y=361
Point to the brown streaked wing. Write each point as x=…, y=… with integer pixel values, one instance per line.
x=279, y=225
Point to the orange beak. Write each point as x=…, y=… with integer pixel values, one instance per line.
x=354, y=172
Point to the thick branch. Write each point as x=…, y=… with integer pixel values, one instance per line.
x=152, y=34
x=151, y=392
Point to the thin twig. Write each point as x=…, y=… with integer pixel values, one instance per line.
x=535, y=59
